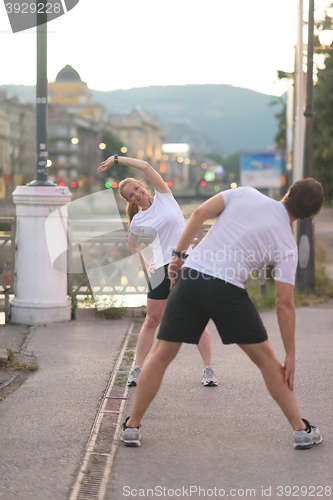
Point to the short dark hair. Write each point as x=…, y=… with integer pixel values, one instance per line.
x=304, y=198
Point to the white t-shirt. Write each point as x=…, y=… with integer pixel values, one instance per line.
x=252, y=231
x=163, y=223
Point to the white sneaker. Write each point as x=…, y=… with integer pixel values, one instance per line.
x=307, y=438
x=133, y=376
x=209, y=378
x=130, y=436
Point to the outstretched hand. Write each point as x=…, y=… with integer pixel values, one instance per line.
x=106, y=164
x=174, y=270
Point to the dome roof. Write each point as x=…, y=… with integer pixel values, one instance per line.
x=68, y=73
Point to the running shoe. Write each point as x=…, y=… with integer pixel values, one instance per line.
x=133, y=376
x=208, y=377
x=130, y=436
x=307, y=438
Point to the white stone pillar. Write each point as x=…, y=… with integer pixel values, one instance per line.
x=40, y=292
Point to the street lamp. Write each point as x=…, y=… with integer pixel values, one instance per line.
x=305, y=274
x=326, y=34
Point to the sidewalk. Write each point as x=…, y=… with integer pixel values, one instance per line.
x=234, y=436
x=46, y=422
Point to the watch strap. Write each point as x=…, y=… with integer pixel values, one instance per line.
x=180, y=255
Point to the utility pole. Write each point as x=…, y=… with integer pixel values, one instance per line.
x=305, y=275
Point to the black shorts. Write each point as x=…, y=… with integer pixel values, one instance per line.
x=159, y=290
x=197, y=298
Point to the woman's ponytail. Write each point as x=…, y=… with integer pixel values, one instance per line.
x=131, y=210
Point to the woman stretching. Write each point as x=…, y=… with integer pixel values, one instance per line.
x=155, y=216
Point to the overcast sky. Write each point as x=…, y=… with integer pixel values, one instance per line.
x=121, y=44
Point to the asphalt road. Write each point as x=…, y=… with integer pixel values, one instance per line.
x=234, y=437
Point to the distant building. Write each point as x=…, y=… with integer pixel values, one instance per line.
x=70, y=91
x=175, y=164
x=4, y=152
x=141, y=135
x=22, y=137
x=72, y=115
x=73, y=147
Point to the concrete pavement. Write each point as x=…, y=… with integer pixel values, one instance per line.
x=234, y=437
x=46, y=422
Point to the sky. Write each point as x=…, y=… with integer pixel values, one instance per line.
x=121, y=44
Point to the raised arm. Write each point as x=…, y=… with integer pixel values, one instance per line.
x=210, y=209
x=285, y=310
x=151, y=174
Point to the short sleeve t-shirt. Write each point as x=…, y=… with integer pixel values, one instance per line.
x=163, y=223
x=252, y=231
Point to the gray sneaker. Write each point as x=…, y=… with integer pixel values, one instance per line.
x=208, y=377
x=305, y=439
x=130, y=436
x=133, y=376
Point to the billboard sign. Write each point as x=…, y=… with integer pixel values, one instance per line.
x=261, y=169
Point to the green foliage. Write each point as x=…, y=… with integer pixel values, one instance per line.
x=281, y=116
x=322, y=293
x=113, y=146
x=114, y=309
x=323, y=127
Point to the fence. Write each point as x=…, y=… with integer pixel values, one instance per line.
x=100, y=252
x=93, y=252
x=7, y=262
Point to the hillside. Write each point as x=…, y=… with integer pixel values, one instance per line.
x=212, y=118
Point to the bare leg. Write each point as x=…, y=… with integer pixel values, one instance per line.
x=204, y=348
x=155, y=310
x=151, y=377
x=263, y=356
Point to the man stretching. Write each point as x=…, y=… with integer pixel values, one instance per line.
x=251, y=231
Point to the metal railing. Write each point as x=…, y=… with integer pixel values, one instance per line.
x=7, y=262
x=101, y=251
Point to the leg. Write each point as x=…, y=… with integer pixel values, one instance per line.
x=155, y=309
x=151, y=377
x=204, y=348
x=263, y=356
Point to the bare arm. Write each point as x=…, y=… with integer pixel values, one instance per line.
x=151, y=174
x=285, y=310
x=210, y=209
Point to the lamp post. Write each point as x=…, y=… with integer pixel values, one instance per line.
x=41, y=99
x=40, y=290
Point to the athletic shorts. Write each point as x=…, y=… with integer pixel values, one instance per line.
x=162, y=290
x=197, y=298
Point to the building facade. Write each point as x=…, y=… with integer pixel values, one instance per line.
x=22, y=137
x=4, y=152
x=69, y=91
x=73, y=147
x=141, y=135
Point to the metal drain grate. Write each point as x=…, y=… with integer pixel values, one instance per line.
x=92, y=479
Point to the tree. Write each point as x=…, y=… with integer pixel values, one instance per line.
x=323, y=127
x=113, y=146
x=230, y=165
x=281, y=116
